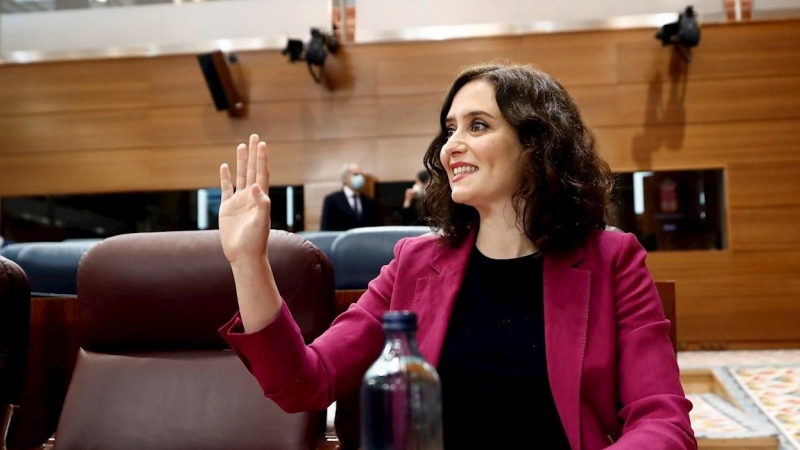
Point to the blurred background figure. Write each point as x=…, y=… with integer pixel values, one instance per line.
x=412, y=203
x=349, y=207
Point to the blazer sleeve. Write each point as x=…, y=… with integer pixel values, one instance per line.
x=309, y=378
x=327, y=211
x=654, y=411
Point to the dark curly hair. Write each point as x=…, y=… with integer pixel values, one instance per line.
x=566, y=185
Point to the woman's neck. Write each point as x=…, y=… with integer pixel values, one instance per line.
x=499, y=237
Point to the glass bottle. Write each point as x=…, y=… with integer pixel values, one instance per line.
x=401, y=396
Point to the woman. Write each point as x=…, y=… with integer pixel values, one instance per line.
x=525, y=303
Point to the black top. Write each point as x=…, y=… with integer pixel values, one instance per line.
x=495, y=389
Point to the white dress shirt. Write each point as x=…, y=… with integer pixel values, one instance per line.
x=354, y=199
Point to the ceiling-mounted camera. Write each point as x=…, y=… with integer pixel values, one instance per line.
x=314, y=53
x=683, y=34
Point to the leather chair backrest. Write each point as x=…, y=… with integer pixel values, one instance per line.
x=52, y=267
x=11, y=251
x=359, y=254
x=153, y=371
x=15, y=307
x=322, y=239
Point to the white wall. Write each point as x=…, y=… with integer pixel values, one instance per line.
x=228, y=25
x=386, y=18
x=195, y=26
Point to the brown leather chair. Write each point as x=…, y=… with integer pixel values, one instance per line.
x=666, y=291
x=15, y=307
x=153, y=372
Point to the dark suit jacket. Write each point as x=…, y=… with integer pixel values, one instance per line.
x=610, y=362
x=337, y=215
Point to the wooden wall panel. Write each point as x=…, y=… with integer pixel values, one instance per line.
x=729, y=274
x=313, y=196
x=127, y=170
x=763, y=184
x=149, y=124
x=49, y=87
x=169, y=81
x=188, y=125
x=703, y=145
x=177, y=167
x=719, y=319
x=775, y=228
x=270, y=77
x=409, y=115
x=324, y=158
x=400, y=158
x=739, y=50
x=566, y=57
x=431, y=73
x=412, y=49
x=663, y=101
x=428, y=68
x=174, y=81
x=654, y=106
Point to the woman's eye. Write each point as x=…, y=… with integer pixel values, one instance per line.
x=478, y=126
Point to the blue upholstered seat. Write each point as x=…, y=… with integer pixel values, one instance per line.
x=11, y=251
x=52, y=267
x=322, y=239
x=359, y=254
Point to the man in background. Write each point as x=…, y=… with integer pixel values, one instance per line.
x=349, y=208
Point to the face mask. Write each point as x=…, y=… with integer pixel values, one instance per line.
x=357, y=181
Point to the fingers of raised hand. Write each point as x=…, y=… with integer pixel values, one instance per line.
x=262, y=167
x=241, y=167
x=251, y=164
x=225, y=181
x=252, y=159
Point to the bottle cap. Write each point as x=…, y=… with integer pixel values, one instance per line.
x=399, y=321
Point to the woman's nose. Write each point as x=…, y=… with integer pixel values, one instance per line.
x=454, y=145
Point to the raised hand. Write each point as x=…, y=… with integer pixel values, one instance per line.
x=409, y=197
x=244, y=221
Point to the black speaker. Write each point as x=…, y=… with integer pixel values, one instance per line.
x=219, y=80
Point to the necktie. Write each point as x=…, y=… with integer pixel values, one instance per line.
x=357, y=206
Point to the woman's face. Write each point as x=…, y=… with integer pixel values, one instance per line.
x=482, y=156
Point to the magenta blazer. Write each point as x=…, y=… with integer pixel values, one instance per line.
x=612, y=369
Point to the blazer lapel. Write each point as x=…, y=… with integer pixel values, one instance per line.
x=344, y=204
x=566, y=317
x=437, y=293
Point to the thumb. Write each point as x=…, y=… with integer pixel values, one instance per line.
x=258, y=195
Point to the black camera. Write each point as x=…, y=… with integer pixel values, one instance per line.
x=314, y=53
x=685, y=32
x=294, y=48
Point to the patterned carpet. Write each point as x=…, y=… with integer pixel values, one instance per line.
x=776, y=392
x=766, y=384
x=714, y=418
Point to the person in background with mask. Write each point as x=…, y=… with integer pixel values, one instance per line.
x=412, y=203
x=349, y=208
